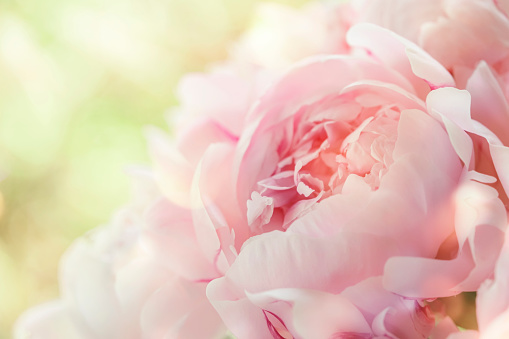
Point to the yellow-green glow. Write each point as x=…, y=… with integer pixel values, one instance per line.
x=78, y=81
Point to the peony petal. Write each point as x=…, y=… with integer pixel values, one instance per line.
x=389, y=314
x=467, y=32
x=402, y=55
x=480, y=221
x=240, y=315
x=89, y=285
x=135, y=282
x=489, y=105
x=48, y=321
x=443, y=329
x=334, y=261
x=468, y=334
x=499, y=329
x=503, y=6
x=493, y=295
x=195, y=139
x=170, y=235
x=321, y=315
x=214, y=192
x=174, y=309
x=500, y=156
x=221, y=95
x=461, y=142
x=172, y=171
x=259, y=209
x=387, y=14
x=427, y=68
x=455, y=106
x=424, y=278
x=383, y=93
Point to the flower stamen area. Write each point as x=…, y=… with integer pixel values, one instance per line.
x=321, y=148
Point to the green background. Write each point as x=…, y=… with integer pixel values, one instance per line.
x=78, y=81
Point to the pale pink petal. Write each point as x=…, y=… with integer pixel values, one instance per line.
x=170, y=235
x=452, y=103
x=355, y=184
x=172, y=171
x=173, y=311
x=195, y=139
x=88, y=284
x=444, y=329
x=333, y=261
x=503, y=6
x=500, y=156
x=279, y=182
x=401, y=55
x=493, y=296
x=416, y=277
x=455, y=106
x=240, y=315
x=259, y=209
x=322, y=315
x=388, y=14
x=49, y=321
x=414, y=129
x=403, y=320
x=389, y=314
x=144, y=189
x=418, y=185
x=383, y=93
x=299, y=209
x=480, y=222
x=427, y=68
x=469, y=334
x=277, y=307
x=221, y=95
x=297, y=87
x=467, y=32
x=461, y=142
x=214, y=194
x=331, y=214
x=498, y=328
x=135, y=282
x=489, y=105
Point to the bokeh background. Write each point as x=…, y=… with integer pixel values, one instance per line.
x=78, y=81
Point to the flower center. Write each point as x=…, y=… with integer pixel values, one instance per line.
x=321, y=146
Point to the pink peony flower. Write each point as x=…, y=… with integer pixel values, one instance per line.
x=365, y=180
x=334, y=199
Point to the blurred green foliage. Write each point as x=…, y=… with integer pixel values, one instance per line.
x=78, y=81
